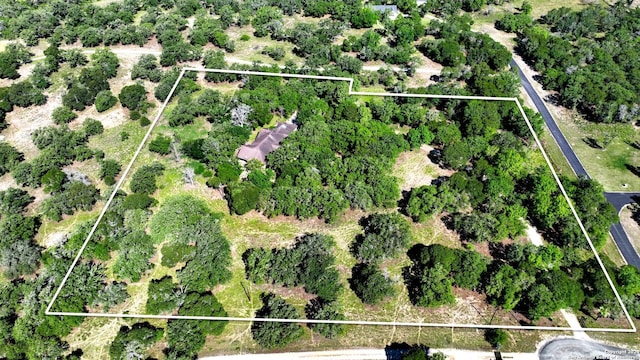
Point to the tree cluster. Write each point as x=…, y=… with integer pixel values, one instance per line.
x=309, y=263
x=186, y=221
x=436, y=268
x=590, y=57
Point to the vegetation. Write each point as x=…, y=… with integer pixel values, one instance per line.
x=309, y=263
x=275, y=334
x=341, y=156
x=592, y=64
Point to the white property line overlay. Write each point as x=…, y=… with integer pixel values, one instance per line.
x=345, y=322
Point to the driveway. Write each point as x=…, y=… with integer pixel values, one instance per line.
x=563, y=349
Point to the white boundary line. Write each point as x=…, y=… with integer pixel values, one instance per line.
x=346, y=322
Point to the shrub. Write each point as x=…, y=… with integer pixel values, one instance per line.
x=92, y=127
x=175, y=253
x=105, y=100
x=144, y=121
x=138, y=201
x=63, y=115
x=132, y=96
x=134, y=115
x=242, y=197
x=228, y=172
x=160, y=145
x=109, y=169
x=245, y=37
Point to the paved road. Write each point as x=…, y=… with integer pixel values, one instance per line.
x=551, y=124
x=621, y=199
x=618, y=200
x=562, y=349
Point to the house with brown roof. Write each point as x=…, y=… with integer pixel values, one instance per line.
x=267, y=141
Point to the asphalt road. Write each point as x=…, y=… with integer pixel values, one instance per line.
x=618, y=200
x=563, y=349
x=551, y=124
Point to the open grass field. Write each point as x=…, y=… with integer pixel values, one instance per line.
x=611, y=166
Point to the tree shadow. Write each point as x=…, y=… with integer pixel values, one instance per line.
x=447, y=220
x=634, y=144
x=498, y=250
x=634, y=169
x=396, y=351
x=554, y=99
x=414, y=253
x=403, y=202
x=435, y=156
x=593, y=143
x=537, y=78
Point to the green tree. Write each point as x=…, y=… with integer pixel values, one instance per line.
x=164, y=296
x=242, y=197
x=133, y=96
x=506, y=286
x=14, y=201
x=275, y=334
x=63, y=115
x=9, y=158
x=135, y=250
x=204, y=304
x=318, y=309
x=105, y=100
x=133, y=342
x=369, y=284
x=144, y=179
x=384, y=235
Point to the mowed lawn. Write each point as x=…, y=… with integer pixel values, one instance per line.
x=611, y=166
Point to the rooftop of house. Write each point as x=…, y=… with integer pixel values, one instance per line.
x=267, y=141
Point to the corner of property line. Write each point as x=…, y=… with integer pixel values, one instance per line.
x=113, y=193
x=577, y=217
x=346, y=322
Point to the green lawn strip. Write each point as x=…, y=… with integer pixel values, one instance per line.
x=625, y=340
x=559, y=162
x=610, y=249
x=631, y=227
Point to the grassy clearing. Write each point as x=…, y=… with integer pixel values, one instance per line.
x=114, y=147
x=51, y=231
x=559, y=162
x=624, y=340
x=608, y=166
x=414, y=168
x=610, y=249
x=492, y=13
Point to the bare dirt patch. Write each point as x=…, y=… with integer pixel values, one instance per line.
x=7, y=181
x=23, y=121
x=631, y=227
x=414, y=168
